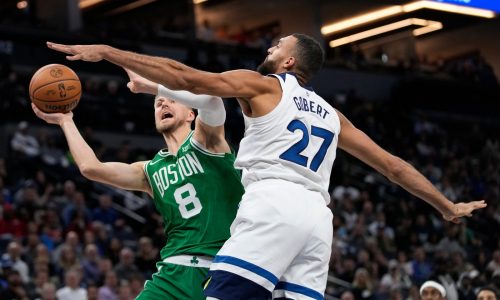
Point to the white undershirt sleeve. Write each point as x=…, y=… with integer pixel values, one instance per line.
x=211, y=109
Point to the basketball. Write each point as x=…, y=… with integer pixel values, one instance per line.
x=55, y=88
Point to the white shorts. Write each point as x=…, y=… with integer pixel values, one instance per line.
x=281, y=240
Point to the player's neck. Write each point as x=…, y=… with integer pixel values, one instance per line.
x=175, y=139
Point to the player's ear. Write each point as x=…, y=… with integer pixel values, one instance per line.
x=289, y=63
x=191, y=115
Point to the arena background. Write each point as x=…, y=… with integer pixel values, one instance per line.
x=428, y=96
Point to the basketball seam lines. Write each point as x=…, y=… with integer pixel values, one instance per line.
x=52, y=83
x=65, y=99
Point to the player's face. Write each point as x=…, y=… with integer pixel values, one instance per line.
x=430, y=293
x=170, y=115
x=277, y=55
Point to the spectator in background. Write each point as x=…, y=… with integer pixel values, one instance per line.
x=394, y=278
x=77, y=202
x=92, y=292
x=90, y=264
x=363, y=287
x=48, y=292
x=105, y=213
x=421, y=268
x=72, y=289
x=136, y=282
x=494, y=265
x=72, y=241
x=110, y=288
x=347, y=295
x=69, y=190
x=487, y=293
x=125, y=266
x=13, y=255
x=431, y=290
x=23, y=143
x=15, y=288
x=146, y=257
x=465, y=287
x=67, y=260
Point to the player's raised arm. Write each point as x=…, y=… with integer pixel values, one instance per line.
x=243, y=84
x=209, y=129
x=358, y=144
x=122, y=175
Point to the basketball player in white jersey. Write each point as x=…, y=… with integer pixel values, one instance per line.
x=281, y=238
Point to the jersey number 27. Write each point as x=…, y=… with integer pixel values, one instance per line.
x=293, y=153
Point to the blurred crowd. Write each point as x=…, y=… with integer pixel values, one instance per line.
x=386, y=242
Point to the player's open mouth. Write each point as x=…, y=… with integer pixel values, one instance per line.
x=167, y=115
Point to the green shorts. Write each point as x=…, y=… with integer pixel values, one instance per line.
x=173, y=281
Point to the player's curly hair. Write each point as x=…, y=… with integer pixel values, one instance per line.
x=310, y=55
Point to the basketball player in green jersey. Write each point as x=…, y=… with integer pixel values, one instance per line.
x=193, y=183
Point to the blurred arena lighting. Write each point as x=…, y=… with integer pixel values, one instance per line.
x=452, y=8
x=88, y=3
x=22, y=4
x=400, y=9
x=427, y=26
x=129, y=6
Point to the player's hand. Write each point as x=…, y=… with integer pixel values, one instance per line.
x=139, y=84
x=463, y=210
x=92, y=53
x=53, y=118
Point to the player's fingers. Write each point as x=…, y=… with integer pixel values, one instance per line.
x=480, y=204
x=59, y=47
x=37, y=111
x=131, y=87
x=34, y=108
x=74, y=57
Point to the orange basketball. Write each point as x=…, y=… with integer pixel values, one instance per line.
x=55, y=88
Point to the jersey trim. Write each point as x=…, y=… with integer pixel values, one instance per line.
x=145, y=169
x=276, y=109
x=299, y=289
x=247, y=266
x=165, y=152
x=203, y=150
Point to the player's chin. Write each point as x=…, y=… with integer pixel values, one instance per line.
x=165, y=127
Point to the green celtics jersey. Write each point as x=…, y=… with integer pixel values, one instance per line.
x=197, y=193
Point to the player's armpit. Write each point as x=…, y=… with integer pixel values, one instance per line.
x=211, y=138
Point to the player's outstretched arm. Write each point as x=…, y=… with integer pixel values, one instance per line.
x=209, y=130
x=242, y=84
x=358, y=144
x=126, y=176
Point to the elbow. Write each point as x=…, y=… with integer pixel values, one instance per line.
x=89, y=171
x=395, y=168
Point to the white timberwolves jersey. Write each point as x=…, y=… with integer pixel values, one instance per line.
x=296, y=141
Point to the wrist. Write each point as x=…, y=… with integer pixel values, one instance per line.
x=65, y=121
x=153, y=88
x=449, y=208
x=104, y=51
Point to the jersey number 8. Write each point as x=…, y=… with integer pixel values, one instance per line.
x=189, y=204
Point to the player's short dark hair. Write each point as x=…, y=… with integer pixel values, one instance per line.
x=310, y=55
